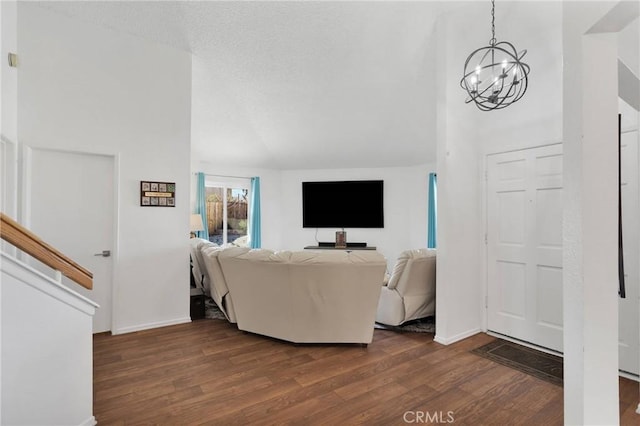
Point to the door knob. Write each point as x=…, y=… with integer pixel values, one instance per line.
x=105, y=253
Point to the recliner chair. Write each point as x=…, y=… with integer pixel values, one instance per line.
x=411, y=291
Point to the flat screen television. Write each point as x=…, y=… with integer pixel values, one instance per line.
x=343, y=204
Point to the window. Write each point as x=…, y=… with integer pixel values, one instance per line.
x=227, y=210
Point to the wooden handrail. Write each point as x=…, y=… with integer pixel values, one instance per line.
x=25, y=240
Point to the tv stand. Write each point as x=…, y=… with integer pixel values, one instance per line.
x=332, y=246
x=327, y=245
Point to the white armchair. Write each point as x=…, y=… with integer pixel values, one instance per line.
x=411, y=291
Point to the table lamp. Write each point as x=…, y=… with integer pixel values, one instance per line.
x=196, y=224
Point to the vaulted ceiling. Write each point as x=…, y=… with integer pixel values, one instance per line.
x=314, y=84
x=296, y=84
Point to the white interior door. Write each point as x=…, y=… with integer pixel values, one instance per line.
x=70, y=205
x=524, y=245
x=628, y=314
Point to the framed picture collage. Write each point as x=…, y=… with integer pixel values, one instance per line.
x=157, y=194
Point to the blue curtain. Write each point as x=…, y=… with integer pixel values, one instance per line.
x=432, y=220
x=254, y=214
x=201, y=207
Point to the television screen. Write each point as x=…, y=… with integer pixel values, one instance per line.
x=343, y=204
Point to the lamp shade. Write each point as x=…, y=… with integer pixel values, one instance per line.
x=196, y=223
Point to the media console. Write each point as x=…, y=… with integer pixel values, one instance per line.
x=332, y=246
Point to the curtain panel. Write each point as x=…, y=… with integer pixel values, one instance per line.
x=254, y=214
x=201, y=207
x=432, y=221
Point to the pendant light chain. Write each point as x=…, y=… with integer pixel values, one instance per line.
x=493, y=23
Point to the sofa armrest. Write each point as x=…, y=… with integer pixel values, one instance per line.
x=385, y=280
x=390, y=307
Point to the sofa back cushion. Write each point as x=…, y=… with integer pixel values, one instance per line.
x=340, y=290
x=258, y=282
x=305, y=296
x=414, y=271
x=210, y=255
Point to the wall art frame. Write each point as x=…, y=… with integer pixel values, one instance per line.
x=157, y=194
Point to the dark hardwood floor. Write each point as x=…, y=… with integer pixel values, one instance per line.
x=208, y=372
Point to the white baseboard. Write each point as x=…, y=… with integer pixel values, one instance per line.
x=457, y=337
x=150, y=325
x=91, y=421
x=628, y=375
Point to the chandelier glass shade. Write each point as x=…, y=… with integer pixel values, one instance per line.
x=494, y=75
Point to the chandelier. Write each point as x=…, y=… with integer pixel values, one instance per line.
x=494, y=75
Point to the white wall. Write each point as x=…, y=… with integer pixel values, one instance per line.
x=458, y=281
x=47, y=354
x=405, y=209
x=405, y=204
x=8, y=111
x=536, y=119
x=590, y=305
x=9, y=76
x=628, y=46
x=90, y=89
x=466, y=135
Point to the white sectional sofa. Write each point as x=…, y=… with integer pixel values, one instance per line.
x=305, y=296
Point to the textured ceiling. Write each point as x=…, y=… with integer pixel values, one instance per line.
x=294, y=85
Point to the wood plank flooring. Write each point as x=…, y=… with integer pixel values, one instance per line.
x=209, y=372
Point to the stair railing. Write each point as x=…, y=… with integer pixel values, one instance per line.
x=25, y=240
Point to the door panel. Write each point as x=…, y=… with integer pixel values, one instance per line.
x=549, y=287
x=524, y=245
x=71, y=206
